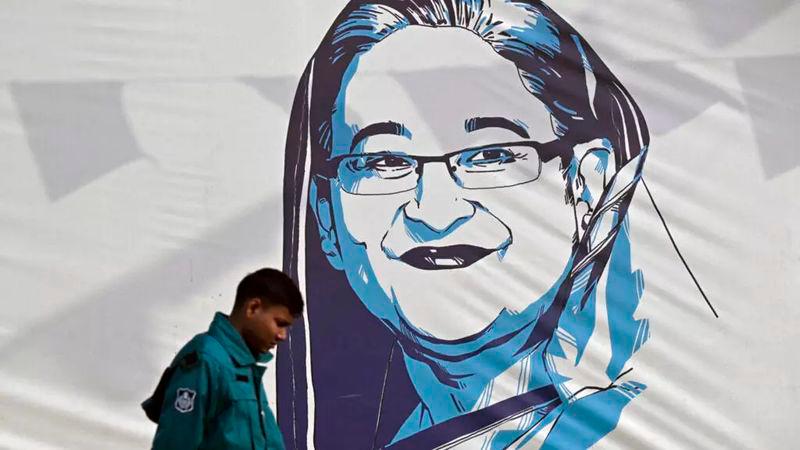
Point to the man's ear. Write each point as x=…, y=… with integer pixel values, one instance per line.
x=251, y=306
x=321, y=206
x=595, y=167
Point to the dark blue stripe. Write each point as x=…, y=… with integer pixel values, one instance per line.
x=460, y=426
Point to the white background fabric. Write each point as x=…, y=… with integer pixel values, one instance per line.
x=141, y=149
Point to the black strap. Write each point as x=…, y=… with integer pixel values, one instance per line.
x=152, y=406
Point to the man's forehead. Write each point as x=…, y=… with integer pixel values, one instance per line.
x=278, y=310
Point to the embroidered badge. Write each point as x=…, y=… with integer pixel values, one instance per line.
x=184, y=402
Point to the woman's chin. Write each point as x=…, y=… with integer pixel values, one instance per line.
x=448, y=321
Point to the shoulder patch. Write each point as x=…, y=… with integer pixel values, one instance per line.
x=184, y=401
x=189, y=360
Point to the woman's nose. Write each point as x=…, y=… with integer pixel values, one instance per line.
x=438, y=205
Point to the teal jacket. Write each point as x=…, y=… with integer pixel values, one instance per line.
x=215, y=398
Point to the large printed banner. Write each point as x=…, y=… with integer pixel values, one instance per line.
x=516, y=224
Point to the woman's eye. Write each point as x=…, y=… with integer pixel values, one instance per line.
x=376, y=164
x=388, y=162
x=492, y=156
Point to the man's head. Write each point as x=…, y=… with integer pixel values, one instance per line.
x=267, y=302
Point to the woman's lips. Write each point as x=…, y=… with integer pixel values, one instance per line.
x=442, y=258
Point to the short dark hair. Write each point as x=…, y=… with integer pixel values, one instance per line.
x=273, y=287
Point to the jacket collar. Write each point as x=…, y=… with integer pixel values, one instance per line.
x=233, y=343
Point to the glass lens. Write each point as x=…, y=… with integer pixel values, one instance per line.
x=496, y=166
x=373, y=174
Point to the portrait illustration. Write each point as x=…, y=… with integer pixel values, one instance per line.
x=457, y=182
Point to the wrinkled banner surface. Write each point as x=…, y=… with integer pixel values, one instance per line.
x=517, y=224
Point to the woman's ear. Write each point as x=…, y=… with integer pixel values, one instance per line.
x=324, y=216
x=595, y=167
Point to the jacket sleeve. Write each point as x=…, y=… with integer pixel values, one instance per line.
x=187, y=402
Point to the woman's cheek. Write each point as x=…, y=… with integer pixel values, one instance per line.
x=367, y=218
x=536, y=212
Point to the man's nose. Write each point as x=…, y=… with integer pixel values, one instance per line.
x=438, y=205
x=281, y=336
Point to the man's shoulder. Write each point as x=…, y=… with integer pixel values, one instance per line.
x=203, y=348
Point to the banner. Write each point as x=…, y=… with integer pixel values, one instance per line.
x=516, y=224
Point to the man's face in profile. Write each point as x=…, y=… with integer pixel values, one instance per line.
x=267, y=324
x=451, y=238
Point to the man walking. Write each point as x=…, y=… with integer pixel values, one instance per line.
x=212, y=396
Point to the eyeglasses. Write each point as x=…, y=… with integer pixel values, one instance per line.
x=485, y=167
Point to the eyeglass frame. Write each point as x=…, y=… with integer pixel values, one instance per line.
x=545, y=151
